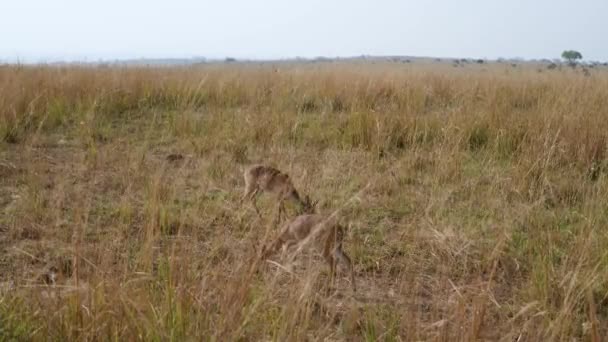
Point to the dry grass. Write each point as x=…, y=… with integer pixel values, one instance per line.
x=485, y=219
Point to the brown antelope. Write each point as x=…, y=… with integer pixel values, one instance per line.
x=260, y=178
x=326, y=236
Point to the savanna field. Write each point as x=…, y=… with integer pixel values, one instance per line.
x=475, y=199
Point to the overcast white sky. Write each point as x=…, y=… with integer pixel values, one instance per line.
x=38, y=30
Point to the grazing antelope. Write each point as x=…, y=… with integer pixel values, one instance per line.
x=327, y=237
x=260, y=178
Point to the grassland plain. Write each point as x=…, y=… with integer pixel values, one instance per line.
x=485, y=218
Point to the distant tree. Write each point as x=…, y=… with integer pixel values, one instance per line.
x=230, y=60
x=571, y=56
x=479, y=61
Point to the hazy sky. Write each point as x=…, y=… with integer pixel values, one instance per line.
x=34, y=30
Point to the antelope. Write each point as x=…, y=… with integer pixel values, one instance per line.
x=261, y=178
x=326, y=236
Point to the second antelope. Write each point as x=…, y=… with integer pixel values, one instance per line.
x=326, y=236
x=261, y=178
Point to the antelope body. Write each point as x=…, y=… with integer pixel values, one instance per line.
x=326, y=237
x=261, y=178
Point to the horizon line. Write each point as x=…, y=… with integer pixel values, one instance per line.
x=229, y=59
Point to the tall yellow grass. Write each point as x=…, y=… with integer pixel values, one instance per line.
x=486, y=218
